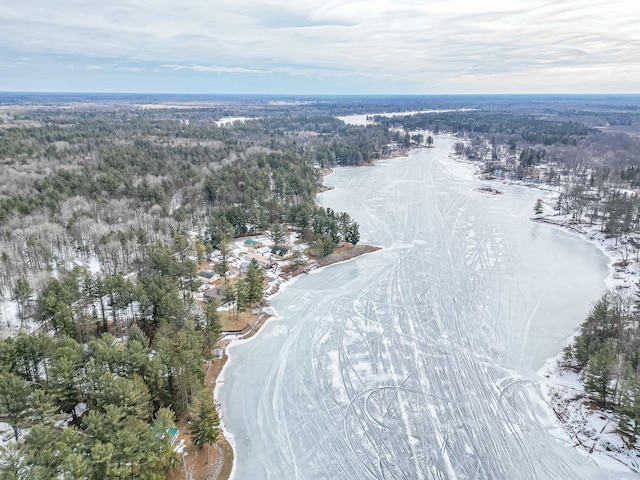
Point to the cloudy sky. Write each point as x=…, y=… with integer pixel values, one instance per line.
x=320, y=46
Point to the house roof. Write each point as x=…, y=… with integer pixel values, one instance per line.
x=171, y=433
x=261, y=260
x=280, y=250
x=213, y=293
x=206, y=274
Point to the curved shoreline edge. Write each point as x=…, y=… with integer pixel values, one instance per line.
x=270, y=315
x=563, y=392
x=560, y=427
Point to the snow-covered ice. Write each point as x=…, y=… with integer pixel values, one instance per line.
x=420, y=361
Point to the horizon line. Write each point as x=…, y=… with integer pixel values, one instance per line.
x=40, y=92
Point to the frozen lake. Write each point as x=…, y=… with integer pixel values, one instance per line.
x=418, y=361
x=367, y=118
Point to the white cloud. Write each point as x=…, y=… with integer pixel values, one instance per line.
x=407, y=45
x=214, y=69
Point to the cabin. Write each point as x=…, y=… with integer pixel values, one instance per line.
x=281, y=252
x=208, y=276
x=213, y=294
x=246, y=260
x=252, y=244
x=262, y=260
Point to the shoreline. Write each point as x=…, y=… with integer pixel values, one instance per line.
x=590, y=429
x=575, y=419
x=550, y=372
x=229, y=460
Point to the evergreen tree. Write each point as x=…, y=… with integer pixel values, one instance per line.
x=538, y=209
x=65, y=372
x=254, y=282
x=241, y=295
x=600, y=372
x=163, y=421
x=222, y=267
x=228, y=296
x=277, y=234
x=55, y=306
x=205, y=422
x=352, y=234
x=22, y=294
x=211, y=329
x=14, y=403
x=131, y=396
x=29, y=353
x=630, y=398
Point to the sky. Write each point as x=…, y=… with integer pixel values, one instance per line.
x=320, y=46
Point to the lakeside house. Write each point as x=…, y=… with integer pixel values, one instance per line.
x=252, y=244
x=208, y=276
x=263, y=261
x=281, y=252
x=213, y=293
x=390, y=148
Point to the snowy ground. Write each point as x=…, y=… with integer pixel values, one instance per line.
x=9, y=321
x=227, y=121
x=591, y=431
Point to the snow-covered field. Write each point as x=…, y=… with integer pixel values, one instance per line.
x=420, y=361
x=226, y=121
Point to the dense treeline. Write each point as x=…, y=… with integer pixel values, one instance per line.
x=607, y=353
x=103, y=184
x=141, y=193
x=523, y=128
x=129, y=353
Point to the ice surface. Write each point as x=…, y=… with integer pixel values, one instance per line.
x=367, y=119
x=418, y=361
